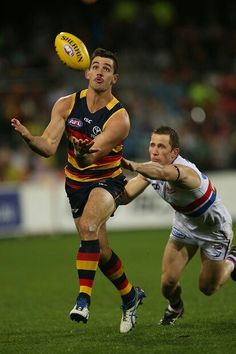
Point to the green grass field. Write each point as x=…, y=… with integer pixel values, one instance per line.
x=38, y=285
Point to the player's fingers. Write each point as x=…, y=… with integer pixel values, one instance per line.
x=15, y=121
x=93, y=150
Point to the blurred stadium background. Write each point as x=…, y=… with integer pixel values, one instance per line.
x=177, y=67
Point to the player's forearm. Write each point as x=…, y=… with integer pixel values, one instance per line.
x=153, y=170
x=40, y=145
x=133, y=189
x=149, y=170
x=128, y=196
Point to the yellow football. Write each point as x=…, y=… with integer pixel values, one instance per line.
x=72, y=51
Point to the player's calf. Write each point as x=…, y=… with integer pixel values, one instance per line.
x=232, y=257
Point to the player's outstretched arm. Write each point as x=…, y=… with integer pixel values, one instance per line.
x=46, y=144
x=174, y=173
x=21, y=129
x=34, y=142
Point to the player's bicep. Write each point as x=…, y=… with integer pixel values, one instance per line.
x=115, y=131
x=189, y=177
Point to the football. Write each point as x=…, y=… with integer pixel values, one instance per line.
x=72, y=51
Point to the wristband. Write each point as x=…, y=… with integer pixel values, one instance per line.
x=178, y=172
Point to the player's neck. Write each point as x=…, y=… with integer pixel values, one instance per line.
x=97, y=100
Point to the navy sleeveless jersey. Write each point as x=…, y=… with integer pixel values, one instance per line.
x=82, y=124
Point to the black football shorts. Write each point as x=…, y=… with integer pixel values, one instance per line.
x=78, y=196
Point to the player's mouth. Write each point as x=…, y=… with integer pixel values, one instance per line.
x=155, y=159
x=99, y=80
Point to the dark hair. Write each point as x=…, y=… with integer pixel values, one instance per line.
x=100, y=52
x=165, y=130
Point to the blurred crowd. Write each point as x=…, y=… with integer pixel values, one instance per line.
x=177, y=67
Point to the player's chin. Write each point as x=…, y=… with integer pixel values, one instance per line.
x=99, y=88
x=153, y=159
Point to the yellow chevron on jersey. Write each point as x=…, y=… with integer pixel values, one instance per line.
x=72, y=103
x=73, y=162
x=89, y=178
x=111, y=104
x=83, y=93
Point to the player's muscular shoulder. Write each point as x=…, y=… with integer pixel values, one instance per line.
x=64, y=105
x=124, y=115
x=189, y=178
x=119, y=123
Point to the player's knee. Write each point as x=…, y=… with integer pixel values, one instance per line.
x=168, y=279
x=88, y=229
x=168, y=284
x=207, y=289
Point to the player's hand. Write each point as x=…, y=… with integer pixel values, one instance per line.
x=20, y=128
x=83, y=147
x=128, y=165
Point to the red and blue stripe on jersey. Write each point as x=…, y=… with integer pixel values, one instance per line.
x=200, y=205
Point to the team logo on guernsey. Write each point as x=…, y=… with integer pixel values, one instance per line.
x=96, y=130
x=75, y=122
x=89, y=121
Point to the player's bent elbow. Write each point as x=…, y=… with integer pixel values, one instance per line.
x=50, y=152
x=47, y=155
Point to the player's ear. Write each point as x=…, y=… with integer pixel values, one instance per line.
x=115, y=78
x=175, y=152
x=86, y=74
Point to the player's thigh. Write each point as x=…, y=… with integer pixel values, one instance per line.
x=176, y=256
x=99, y=207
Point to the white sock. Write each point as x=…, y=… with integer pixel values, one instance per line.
x=171, y=309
